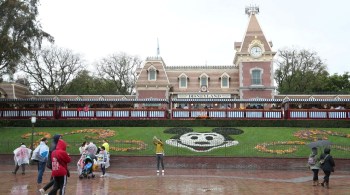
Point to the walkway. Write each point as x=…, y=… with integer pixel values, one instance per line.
x=181, y=181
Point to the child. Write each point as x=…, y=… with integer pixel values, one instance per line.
x=102, y=160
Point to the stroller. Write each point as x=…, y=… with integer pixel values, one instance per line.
x=87, y=171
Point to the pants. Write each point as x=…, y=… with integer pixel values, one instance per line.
x=326, y=176
x=48, y=185
x=23, y=168
x=160, y=161
x=60, y=184
x=41, y=170
x=315, y=177
x=103, y=168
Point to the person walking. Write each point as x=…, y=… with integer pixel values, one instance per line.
x=159, y=152
x=102, y=158
x=327, y=165
x=60, y=172
x=49, y=163
x=21, y=157
x=314, y=164
x=40, y=155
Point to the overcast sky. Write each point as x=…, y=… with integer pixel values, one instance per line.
x=196, y=32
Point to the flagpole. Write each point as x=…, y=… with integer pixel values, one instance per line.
x=158, y=52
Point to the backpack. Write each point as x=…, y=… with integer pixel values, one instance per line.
x=312, y=160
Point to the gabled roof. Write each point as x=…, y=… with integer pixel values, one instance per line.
x=254, y=32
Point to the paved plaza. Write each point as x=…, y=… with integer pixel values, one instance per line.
x=180, y=181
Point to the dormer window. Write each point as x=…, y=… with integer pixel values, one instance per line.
x=152, y=73
x=203, y=80
x=225, y=78
x=183, y=81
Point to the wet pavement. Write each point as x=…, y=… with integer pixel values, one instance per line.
x=180, y=181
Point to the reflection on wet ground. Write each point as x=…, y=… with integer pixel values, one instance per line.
x=180, y=181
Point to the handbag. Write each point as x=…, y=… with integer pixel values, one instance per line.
x=322, y=160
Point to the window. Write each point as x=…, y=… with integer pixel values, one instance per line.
x=204, y=80
x=183, y=82
x=183, y=79
x=152, y=74
x=256, y=77
x=224, y=82
x=225, y=78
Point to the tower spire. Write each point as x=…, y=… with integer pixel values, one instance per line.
x=158, y=51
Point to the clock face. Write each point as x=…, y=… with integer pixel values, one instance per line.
x=256, y=51
x=203, y=88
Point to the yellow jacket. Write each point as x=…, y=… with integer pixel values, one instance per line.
x=159, y=147
x=106, y=145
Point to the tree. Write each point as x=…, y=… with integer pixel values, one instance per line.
x=50, y=69
x=85, y=84
x=300, y=72
x=19, y=32
x=120, y=68
x=338, y=83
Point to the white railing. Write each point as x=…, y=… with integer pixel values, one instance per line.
x=109, y=113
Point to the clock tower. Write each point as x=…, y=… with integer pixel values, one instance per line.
x=254, y=57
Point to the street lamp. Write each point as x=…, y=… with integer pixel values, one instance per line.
x=33, y=120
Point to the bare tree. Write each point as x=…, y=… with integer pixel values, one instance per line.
x=121, y=69
x=50, y=69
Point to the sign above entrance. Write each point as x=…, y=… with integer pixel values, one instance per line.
x=204, y=95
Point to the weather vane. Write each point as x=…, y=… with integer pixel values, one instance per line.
x=252, y=9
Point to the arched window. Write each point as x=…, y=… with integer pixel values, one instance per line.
x=256, y=75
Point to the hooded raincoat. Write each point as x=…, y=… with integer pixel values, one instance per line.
x=60, y=159
x=22, y=155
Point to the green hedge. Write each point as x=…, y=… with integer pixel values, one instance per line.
x=179, y=123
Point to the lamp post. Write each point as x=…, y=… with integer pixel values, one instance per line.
x=33, y=120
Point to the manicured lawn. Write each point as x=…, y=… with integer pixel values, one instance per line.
x=138, y=141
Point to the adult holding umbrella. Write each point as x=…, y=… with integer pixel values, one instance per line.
x=313, y=160
x=327, y=165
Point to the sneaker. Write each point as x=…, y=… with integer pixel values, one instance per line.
x=163, y=171
x=102, y=176
x=157, y=171
x=42, y=191
x=13, y=172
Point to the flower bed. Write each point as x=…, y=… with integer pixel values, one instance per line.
x=314, y=134
x=100, y=134
x=264, y=147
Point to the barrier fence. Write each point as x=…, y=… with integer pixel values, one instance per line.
x=231, y=114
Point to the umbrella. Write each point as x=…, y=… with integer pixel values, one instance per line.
x=319, y=143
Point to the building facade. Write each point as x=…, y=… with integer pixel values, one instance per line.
x=250, y=76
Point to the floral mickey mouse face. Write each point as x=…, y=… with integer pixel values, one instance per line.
x=202, y=139
x=201, y=142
